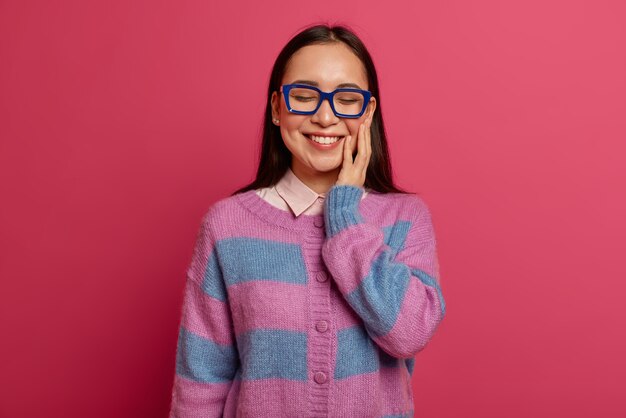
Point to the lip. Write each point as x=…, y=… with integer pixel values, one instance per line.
x=322, y=134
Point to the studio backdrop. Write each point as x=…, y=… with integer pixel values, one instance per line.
x=122, y=122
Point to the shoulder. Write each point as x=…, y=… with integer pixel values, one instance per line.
x=222, y=214
x=404, y=205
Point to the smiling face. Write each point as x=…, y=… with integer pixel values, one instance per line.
x=327, y=67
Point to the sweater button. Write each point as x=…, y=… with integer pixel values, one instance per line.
x=321, y=326
x=321, y=277
x=320, y=377
x=318, y=222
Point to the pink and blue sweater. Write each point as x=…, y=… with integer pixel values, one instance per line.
x=310, y=315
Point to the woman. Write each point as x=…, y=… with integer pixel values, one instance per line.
x=311, y=289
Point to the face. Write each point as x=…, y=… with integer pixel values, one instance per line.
x=329, y=65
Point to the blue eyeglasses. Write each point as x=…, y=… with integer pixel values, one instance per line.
x=304, y=99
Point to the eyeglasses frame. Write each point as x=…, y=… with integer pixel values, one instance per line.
x=286, y=88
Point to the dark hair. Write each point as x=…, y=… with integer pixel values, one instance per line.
x=275, y=158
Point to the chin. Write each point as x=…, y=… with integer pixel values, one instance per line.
x=326, y=168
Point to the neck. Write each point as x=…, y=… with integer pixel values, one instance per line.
x=318, y=181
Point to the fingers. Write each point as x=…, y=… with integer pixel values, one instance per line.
x=364, y=148
x=347, y=151
x=355, y=172
x=361, y=156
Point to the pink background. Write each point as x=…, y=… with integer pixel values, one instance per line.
x=122, y=122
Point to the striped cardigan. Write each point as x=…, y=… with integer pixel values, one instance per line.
x=308, y=316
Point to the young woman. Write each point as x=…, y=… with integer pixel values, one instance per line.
x=311, y=289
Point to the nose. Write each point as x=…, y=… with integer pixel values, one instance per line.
x=325, y=115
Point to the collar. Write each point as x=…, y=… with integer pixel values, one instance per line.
x=295, y=193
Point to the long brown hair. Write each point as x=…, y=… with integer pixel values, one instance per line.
x=275, y=158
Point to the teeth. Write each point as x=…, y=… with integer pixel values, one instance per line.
x=325, y=139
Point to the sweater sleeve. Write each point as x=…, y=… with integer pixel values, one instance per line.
x=395, y=291
x=206, y=355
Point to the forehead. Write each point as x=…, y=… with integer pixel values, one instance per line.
x=327, y=64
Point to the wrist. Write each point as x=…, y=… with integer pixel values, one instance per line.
x=342, y=207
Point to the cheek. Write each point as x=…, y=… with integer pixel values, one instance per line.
x=288, y=133
x=292, y=124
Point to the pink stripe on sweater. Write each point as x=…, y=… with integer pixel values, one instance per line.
x=195, y=399
x=385, y=209
x=421, y=256
x=248, y=226
x=373, y=394
x=269, y=398
x=206, y=316
x=370, y=246
x=201, y=252
x=260, y=304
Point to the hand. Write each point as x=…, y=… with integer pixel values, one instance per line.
x=353, y=173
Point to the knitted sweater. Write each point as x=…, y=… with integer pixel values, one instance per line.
x=308, y=316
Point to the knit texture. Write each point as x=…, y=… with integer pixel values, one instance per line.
x=308, y=316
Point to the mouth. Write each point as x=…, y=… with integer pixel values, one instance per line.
x=324, y=140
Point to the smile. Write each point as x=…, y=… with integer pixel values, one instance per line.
x=324, y=140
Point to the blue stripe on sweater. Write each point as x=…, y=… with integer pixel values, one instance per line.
x=356, y=353
x=342, y=208
x=378, y=298
x=430, y=281
x=395, y=235
x=410, y=363
x=268, y=353
x=387, y=360
x=407, y=415
x=203, y=360
x=213, y=282
x=244, y=259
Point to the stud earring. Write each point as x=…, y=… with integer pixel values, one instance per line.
x=276, y=121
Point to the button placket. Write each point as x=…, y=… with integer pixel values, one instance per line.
x=320, y=343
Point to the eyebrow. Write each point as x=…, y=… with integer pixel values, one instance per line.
x=316, y=84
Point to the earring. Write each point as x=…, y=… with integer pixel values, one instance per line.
x=276, y=121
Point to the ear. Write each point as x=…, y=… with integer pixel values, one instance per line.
x=275, y=102
x=371, y=107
